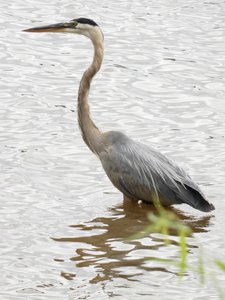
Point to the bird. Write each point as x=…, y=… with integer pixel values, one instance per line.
x=138, y=171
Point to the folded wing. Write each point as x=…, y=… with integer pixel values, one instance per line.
x=141, y=172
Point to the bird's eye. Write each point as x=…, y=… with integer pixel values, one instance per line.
x=73, y=24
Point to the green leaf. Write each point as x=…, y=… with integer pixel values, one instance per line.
x=220, y=264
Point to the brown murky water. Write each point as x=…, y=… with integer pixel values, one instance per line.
x=64, y=228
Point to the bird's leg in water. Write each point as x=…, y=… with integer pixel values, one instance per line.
x=132, y=204
x=126, y=198
x=128, y=201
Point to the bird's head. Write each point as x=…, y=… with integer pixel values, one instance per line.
x=81, y=26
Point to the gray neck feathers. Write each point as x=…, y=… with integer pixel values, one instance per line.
x=90, y=132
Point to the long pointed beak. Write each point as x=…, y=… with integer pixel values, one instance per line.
x=59, y=27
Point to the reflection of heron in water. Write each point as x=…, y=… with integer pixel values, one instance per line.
x=102, y=242
x=138, y=171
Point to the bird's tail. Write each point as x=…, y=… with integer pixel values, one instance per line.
x=197, y=200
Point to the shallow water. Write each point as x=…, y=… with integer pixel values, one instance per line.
x=64, y=228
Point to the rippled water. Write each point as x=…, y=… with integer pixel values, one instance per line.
x=63, y=226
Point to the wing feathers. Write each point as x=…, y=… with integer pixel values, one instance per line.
x=140, y=171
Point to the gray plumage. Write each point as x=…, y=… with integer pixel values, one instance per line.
x=137, y=170
x=142, y=173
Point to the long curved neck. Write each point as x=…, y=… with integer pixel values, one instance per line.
x=90, y=132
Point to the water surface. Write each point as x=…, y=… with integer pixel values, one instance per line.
x=64, y=227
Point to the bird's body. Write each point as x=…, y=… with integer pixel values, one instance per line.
x=137, y=170
x=142, y=173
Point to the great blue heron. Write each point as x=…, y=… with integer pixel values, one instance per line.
x=137, y=170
